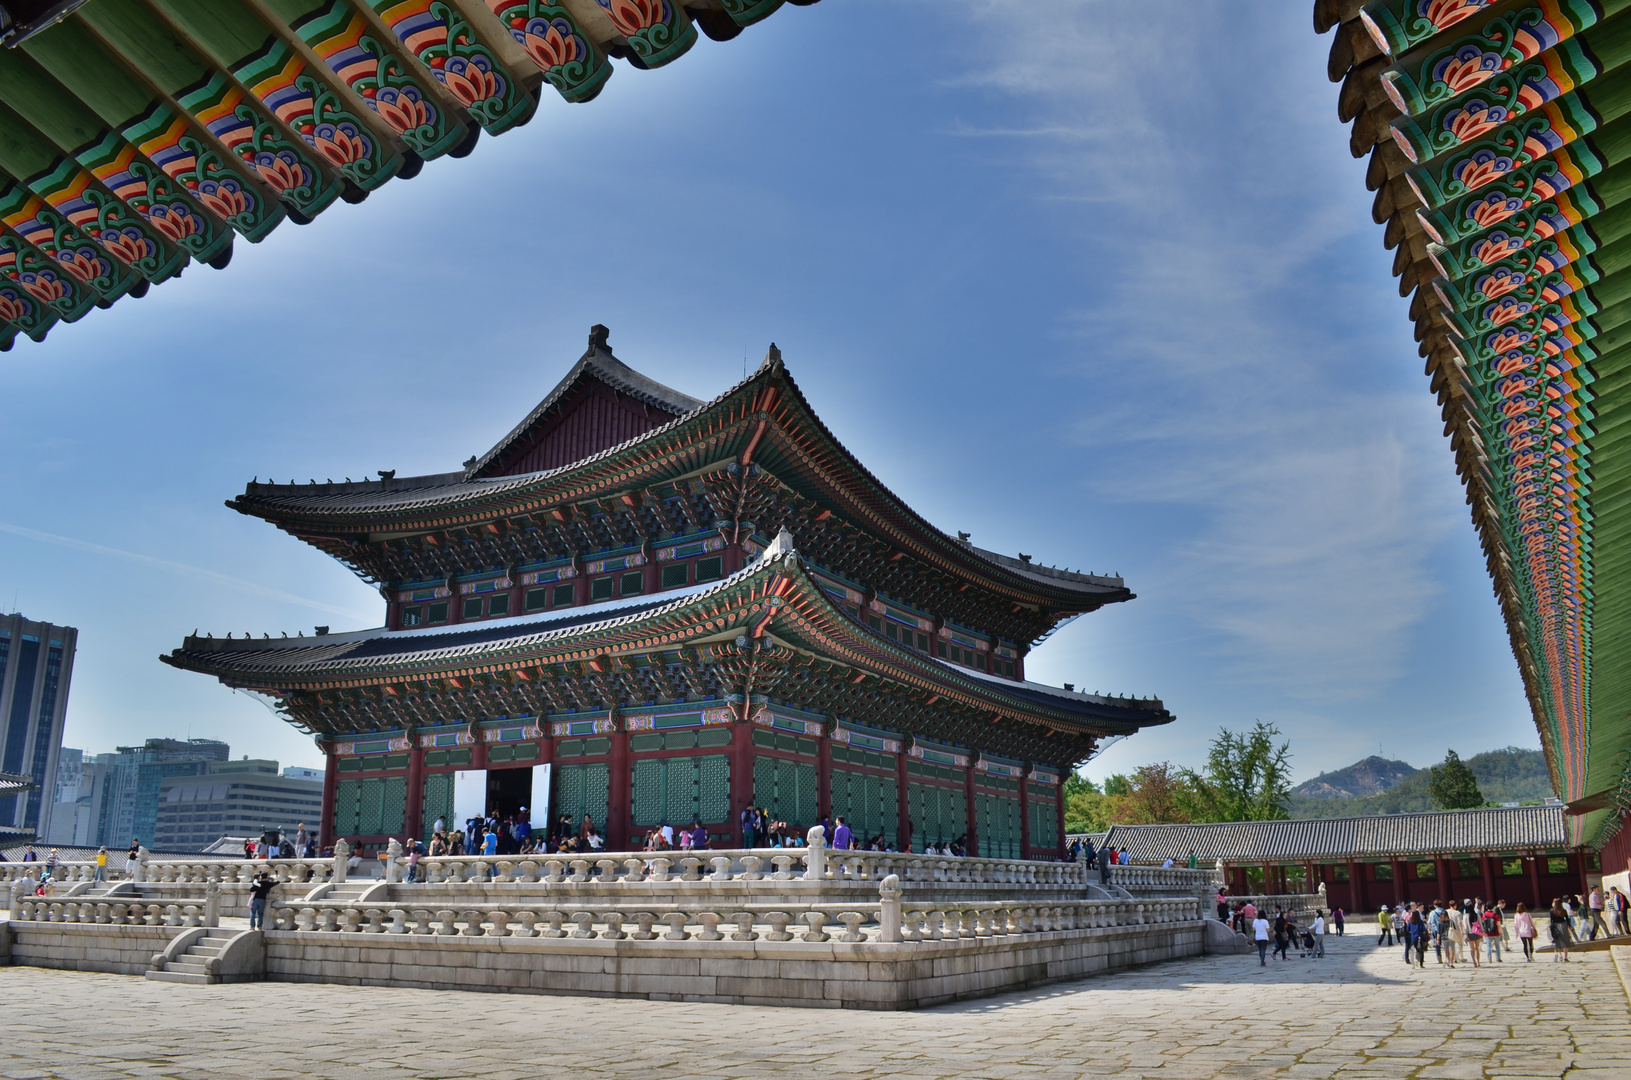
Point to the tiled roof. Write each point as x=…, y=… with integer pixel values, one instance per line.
x=1335, y=839
x=12, y=783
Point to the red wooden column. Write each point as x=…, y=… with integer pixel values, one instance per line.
x=331, y=795
x=968, y=809
x=618, y=809
x=1585, y=881
x=1059, y=811
x=1534, y=882
x=1489, y=879
x=903, y=820
x=1398, y=882
x=824, y=777
x=742, y=794
x=1025, y=811
x=413, y=813
x=1443, y=875
x=1356, y=886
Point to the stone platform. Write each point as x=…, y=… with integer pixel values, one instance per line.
x=808, y=927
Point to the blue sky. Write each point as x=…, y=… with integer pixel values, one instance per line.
x=1061, y=286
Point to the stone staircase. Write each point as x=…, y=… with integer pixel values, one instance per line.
x=199, y=957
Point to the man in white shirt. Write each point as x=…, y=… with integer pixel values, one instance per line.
x=1167, y=865
x=1260, y=931
x=1318, y=930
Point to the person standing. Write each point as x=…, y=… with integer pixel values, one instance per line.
x=133, y=857
x=1475, y=935
x=259, y=890
x=750, y=832
x=1385, y=922
x=101, y=865
x=1523, y=924
x=1489, y=921
x=1105, y=859
x=1260, y=933
x=842, y=838
x=1340, y=918
x=1318, y=930
x=1417, y=929
x=1223, y=904
x=51, y=862
x=1562, y=932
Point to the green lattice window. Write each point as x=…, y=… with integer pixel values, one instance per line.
x=582, y=789
x=370, y=807
x=867, y=803
x=437, y=803
x=346, y=802
x=998, y=818
x=939, y=814
x=1044, y=826
x=788, y=788
x=678, y=791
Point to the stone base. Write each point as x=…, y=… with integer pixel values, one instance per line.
x=119, y=950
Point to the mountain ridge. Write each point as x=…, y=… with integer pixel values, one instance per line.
x=1508, y=775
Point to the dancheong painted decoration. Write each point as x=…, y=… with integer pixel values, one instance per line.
x=137, y=136
x=1499, y=141
x=683, y=608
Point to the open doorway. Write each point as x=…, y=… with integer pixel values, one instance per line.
x=508, y=790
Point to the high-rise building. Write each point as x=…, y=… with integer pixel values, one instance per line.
x=126, y=784
x=235, y=798
x=36, y=663
x=71, y=810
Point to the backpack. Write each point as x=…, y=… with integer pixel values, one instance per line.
x=1487, y=923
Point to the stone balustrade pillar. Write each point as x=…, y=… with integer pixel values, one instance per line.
x=889, y=915
x=815, y=868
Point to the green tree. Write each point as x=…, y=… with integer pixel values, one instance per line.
x=1247, y=778
x=1117, y=784
x=1086, y=807
x=1453, y=786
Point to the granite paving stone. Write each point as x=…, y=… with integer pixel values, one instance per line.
x=1359, y=1014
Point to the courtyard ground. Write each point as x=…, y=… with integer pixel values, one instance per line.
x=1357, y=1013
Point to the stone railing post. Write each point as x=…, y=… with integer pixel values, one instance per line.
x=393, y=857
x=212, y=905
x=140, y=873
x=889, y=893
x=815, y=868
x=342, y=852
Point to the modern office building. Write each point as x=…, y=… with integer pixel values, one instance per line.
x=234, y=798
x=36, y=664
x=125, y=785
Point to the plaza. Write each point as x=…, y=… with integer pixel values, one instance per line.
x=1357, y=1013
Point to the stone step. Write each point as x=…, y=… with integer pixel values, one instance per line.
x=206, y=950
x=187, y=967
x=179, y=977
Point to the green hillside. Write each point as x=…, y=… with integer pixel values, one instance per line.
x=1509, y=775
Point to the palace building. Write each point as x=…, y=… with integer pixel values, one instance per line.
x=644, y=609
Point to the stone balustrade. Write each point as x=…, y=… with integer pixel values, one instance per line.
x=1165, y=879
x=182, y=871
x=1297, y=903
x=764, y=864
x=926, y=922
x=136, y=913
x=65, y=872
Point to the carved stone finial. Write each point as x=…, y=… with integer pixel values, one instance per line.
x=889, y=888
x=773, y=356
x=598, y=336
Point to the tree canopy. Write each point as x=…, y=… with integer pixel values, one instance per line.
x=1453, y=786
x=1247, y=777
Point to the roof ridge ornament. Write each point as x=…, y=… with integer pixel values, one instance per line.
x=782, y=545
x=773, y=358
x=599, y=334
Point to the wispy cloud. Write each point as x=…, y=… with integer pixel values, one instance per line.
x=1223, y=384
x=180, y=569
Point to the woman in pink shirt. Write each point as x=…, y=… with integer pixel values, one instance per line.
x=1524, y=925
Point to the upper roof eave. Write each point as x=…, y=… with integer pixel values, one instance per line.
x=342, y=510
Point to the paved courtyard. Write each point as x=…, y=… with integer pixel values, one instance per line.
x=1358, y=1013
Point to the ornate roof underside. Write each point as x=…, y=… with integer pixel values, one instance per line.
x=766, y=632
x=754, y=460
x=1499, y=139
x=137, y=136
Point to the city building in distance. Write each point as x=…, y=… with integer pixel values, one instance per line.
x=36, y=665
x=642, y=608
x=125, y=785
x=235, y=798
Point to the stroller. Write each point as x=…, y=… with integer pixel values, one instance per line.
x=1307, y=937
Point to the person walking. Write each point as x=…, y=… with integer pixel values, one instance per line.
x=1260, y=933
x=1475, y=935
x=1595, y=903
x=1523, y=924
x=1561, y=931
x=1318, y=930
x=842, y=838
x=1105, y=858
x=1385, y=922
x=1435, y=928
x=1417, y=928
x=259, y=890
x=1455, y=931
x=1282, y=935
x=1340, y=918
